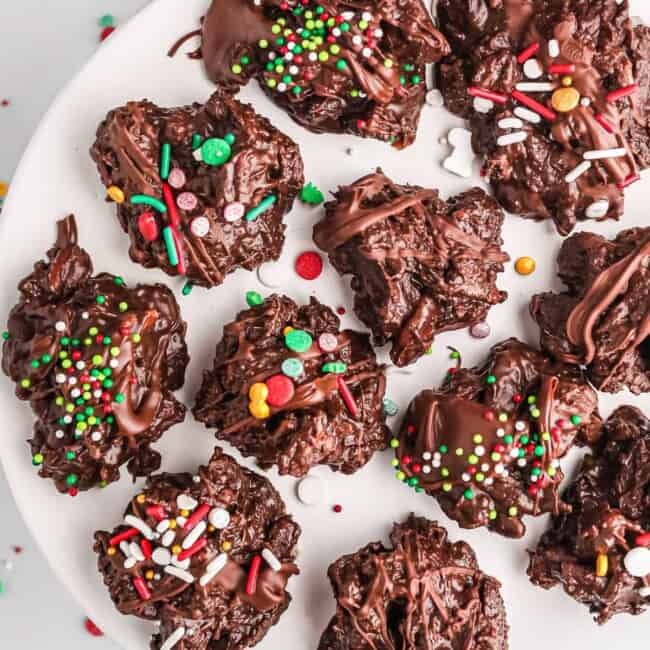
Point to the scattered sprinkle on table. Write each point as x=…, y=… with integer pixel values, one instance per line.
x=525, y=265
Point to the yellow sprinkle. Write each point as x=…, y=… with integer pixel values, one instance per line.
x=172, y=523
x=115, y=194
x=259, y=410
x=185, y=513
x=3, y=189
x=111, y=551
x=287, y=329
x=226, y=546
x=602, y=565
x=211, y=528
x=176, y=549
x=258, y=392
x=567, y=81
x=149, y=575
x=140, y=498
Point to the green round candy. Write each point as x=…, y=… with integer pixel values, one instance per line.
x=390, y=408
x=292, y=367
x=215, y=152
x=106, y=21
x=253, y=298
x=229, y=138
x=37, y=459
x=72, y=479
x=298, y=341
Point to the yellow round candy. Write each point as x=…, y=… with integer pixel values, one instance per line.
x=226, y=546
x=111, y=551
x=172, y=523
x=525, y=265
x=259, y=410
x=115, y=194
x=149, y=575
x=287, y=329
x=258, y=393
x=140, y=498
x=185, y=513
x=602, y=565
x=176, y=549
x=567, y=81
x=565, y=99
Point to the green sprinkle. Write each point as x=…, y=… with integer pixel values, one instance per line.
x=335, y=367
x=119, y=398
x=107, y=20
x=576, y=419
x=118, y=281
x=170, y=244
x=262, y=207
x=539, y=450
x=100, y=300
x=413, y=481
x=187, y=288
x=35, y=363
x=152, y=202
x=531, y=399
x=46, y=358
x=253, y=299
x=165, y=160
x=5, y=335
x=394, y=443
x=490, y=379
x=72, y=479
x=311, y=195
x=123, y=306
x=196, y=141
x=37, y=459
x=70, y=455
x=468, y=494
x=25, y=383
x=229, y=138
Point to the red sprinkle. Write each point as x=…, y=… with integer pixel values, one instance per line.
x=529, y=52
x=145, y=545
x=91, y=628
x=196, y=516
x=477, y=91
x=73, y=491
x=182, y=268
x=534, y=105
x=643, y=540
x=148, y=226
x=338, y=508
x=489, y=415
x=17, y=550
x=192, y=550
x=141, y=588
x=347, y=396
x=532, y=490
x=281, y=390
x=309, y=265
x=5, y=102
x=340, y=311
x=168, y=195
x=406, y=460
x=106, y=32
x=157, y=512
x=625, y=91
x=361, y=124
x=120, y=537
x=251, y=582
x=604, y=123
x=632, y=178
x=517, y=398
x=410, y=429
x=416, y=468
x=562, y=68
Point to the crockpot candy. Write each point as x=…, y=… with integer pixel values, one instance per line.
x=487, y=444
x=600, y=551
x=556, y=94
x=602, y=320
x=420, y=265
x=98, y=362
x=415, y=594
x=208, y=556
x=201, y=190
x=290, y=388
x=334, y=66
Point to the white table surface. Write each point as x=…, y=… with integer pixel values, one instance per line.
x=42, y=45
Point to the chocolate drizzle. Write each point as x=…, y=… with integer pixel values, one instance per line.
x=488, y=443
x=425, y=592
x=420, y=265
x=256, y=521
x=98, y=363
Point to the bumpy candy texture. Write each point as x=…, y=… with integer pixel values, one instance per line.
x=334, y=66
x=98, y=362
x=566, y=147
x=208, y=556
x=423, y=593
x=420, y=265
x=487, y=444
x=600, y=551
x=222, y=178
x=602, y=320
x=290, y=388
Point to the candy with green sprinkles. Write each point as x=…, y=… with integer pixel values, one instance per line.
x=253, y=299
x=298, y=341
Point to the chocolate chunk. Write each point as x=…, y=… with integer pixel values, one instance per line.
x=599, y=550
x=335, y=67
x=487, y=444
x=556, y=94
x=417, y=594
x=208, y=556
x=288, y=387
x=225, y=177
x=602, y=320
x=420, y=265
x=97, y=362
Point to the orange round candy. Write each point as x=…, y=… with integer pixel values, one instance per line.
x=565, y=99
x=525, y=265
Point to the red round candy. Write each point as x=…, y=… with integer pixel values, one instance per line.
x=309, y=265
x=106, y=32
x=281, y=390
x=91, y=628
x=148, y=226
x=73, y=491
x=338, y=508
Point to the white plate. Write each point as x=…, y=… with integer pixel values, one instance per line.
x=56, y=177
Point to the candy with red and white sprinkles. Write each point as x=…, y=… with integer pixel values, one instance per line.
x=194, y=536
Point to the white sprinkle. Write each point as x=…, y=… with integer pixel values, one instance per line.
x=553, y=48
x=293, y=69
x=462, y=155
x=366, y=52
x=356, y=40
x=534, y=478
x=510, y=123
x=271, y=560
x=378, y=32
x=488, y=481
x=533, y=69
x=219, y=518
x=184, y=564
x=505, y=473
x=130, y=562
x=310, y=490
x=196, y=479
x=436, y=463
x=59, y=326
x=161, y=556
x=485, y=467
x=599, y=154
x=194, y=534
x=521, y=462
x=181, y=521
x=217, y=564
x=168, y=538
x=519, y=425
x=480, y=450
x=181, y=574
x=514, y=453
x=136, y=551
x=434, y=98
x=528, y=115
x=336, y=32
x=135, y=522
x=466, y=477
x=498, y=469
x=59, y=434
x=67, y=419
x=585, y=101
x=598, y=209
x=72, y=381
x=281, y=87
x=124, y=547
x=80, y=365
x=113, y=363
x=512, y=138
x=555, y=463
x=186, y=502
x=96, y=436
x=97, y=393
x=198, y=155
x=60, y=379
x=536, y=86
x=426, y=469
x=367, y=16
x=272, y=56
x=578, y=171
x=179, y=632
x=85, y=315
x=482, y=105
x=501, y=432
x=75, y=392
